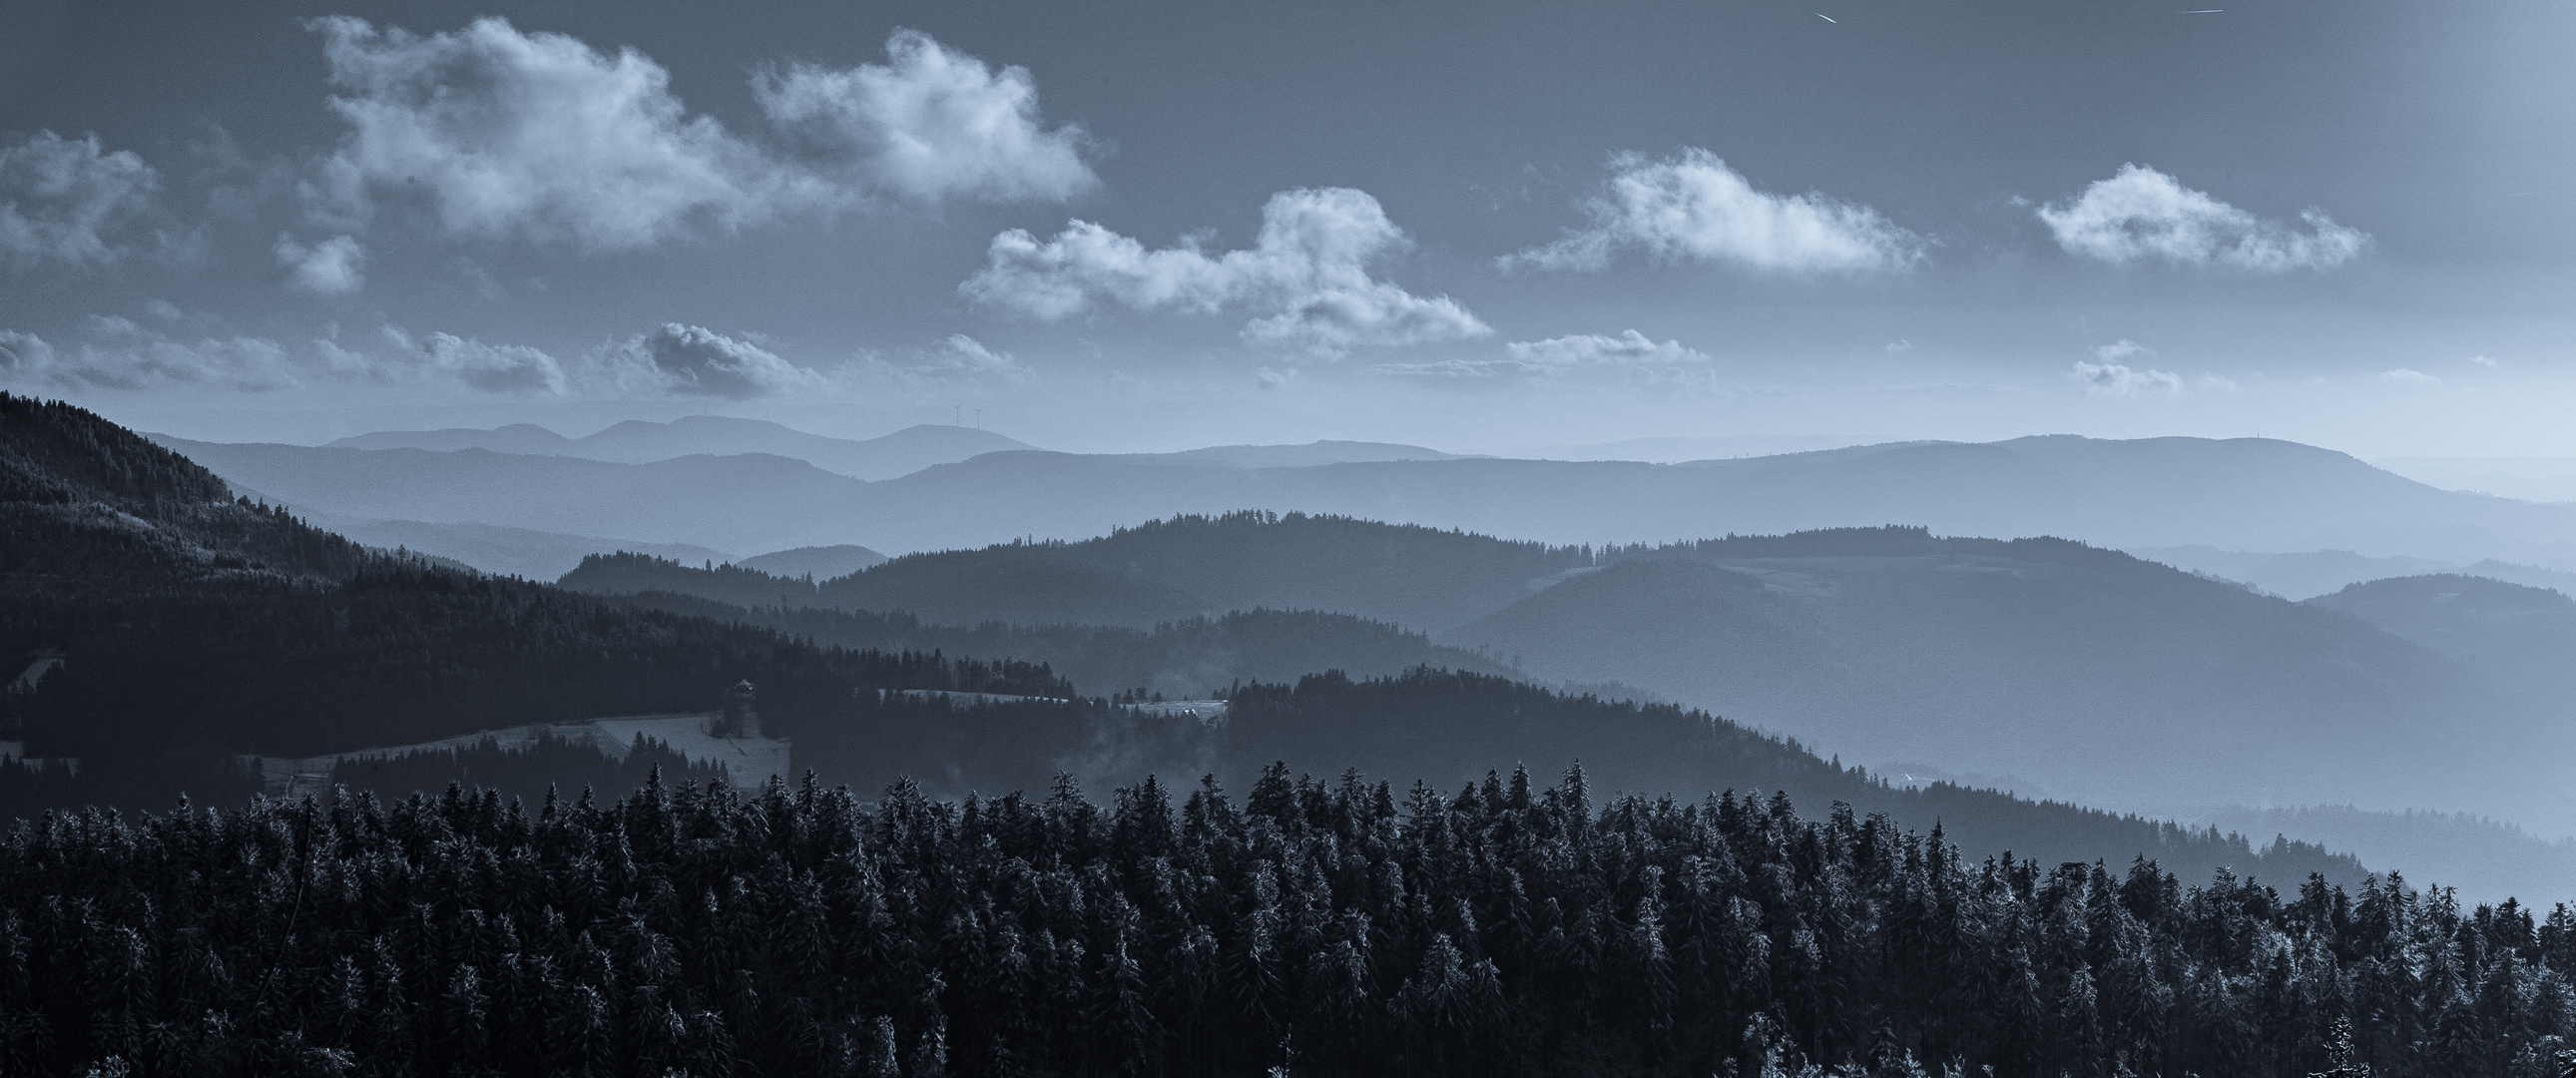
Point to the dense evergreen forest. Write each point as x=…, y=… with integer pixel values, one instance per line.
x=1186, y=658
x=549, y=764
x=1316, y=928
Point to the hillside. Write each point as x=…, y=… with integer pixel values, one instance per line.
x=2039, y=657
x=1188, y=658
x=2524, y=638
x=818, y=562
x=1157, y=571
x=2239, y=494
x=637, y=441
x=192, y=626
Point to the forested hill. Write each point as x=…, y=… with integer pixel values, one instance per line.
x=191, y=626
x=1422, y=578
x=1191, y=658
x=86, y=505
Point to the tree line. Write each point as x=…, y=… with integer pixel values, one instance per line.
x=1309, y=928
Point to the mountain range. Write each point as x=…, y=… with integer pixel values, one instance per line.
x=639, y=441
x=2237, y=494
x=193, y=625
x=2090, y=672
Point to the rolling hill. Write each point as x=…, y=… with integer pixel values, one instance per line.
x=2521, y=637
x=2085, y=670
x=2239, y=494
x=194, y=626
x=637, y=441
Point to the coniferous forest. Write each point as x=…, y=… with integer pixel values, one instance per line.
x=1309, y=927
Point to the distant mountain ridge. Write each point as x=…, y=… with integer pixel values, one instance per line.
x=2239, y=494
x=637, y=441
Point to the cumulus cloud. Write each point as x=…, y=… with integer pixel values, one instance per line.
x=2142, y=215
x=1691, y=207
x=2403, y=376
x=2485, y=361
x=63, y=201
x=492, y=368
x=693, y=361
x=539, y=136
x=930, y=124
x=1629, y=347
x=2109, y=376
x=332, y=267
x=1308, y=270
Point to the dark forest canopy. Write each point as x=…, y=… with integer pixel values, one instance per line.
x=1320, y=928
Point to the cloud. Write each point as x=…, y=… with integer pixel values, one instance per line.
x=115, y=353
x=2120, y=350
x=932, y=124
x=2485, y=361
x=1465, y=369
x=492, y=368
x=63, y=200
x=1691, y=207
x=1898, y=347
x=538, y=136
x=958, y=361
x=1309, y=269
x=1277, y=379
x=692, y=361
x=1630, y=347
x=2121, y=380
x=2403, y=377
x=329, y=268
x=2141, y=215
x=1666, y=366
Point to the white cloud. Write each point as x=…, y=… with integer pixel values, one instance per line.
x=958, y=361
x=1691, y=207
x=492, y=368
x=931, y=124
x=693, y=361
x=2140, y=215
x=2403, y=377
x=335, y=266
x=539, y=136
x=1630, y=347
x=1465, y=369
x=1898, y=347
x=2121, y=380
x=115, y=353
x=1665, y=367
x=62, y=201
x=2485, y=361
x=1309, y=270
x=2121, y=349
x=1268, y=378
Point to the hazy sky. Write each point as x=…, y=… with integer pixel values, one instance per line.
x=1146, y=226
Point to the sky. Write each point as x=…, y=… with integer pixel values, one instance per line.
x=1152, y=226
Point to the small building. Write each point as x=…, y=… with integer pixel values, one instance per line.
x=741, y=715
